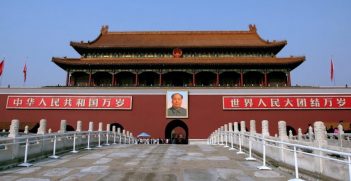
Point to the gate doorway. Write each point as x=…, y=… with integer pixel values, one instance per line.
x=177, y=132
x=117, y=126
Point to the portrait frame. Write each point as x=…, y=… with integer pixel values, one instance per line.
x=184, y=105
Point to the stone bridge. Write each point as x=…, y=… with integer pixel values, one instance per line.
x=230, y=153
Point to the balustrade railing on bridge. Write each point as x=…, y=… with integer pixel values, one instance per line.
x=315, y=152
x=20, y=148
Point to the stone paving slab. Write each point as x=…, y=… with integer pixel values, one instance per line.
x=147, y=162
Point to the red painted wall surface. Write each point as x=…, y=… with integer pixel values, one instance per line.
x=148, y=115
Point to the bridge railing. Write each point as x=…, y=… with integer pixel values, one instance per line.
x=341, y=140
x=311, y=155
x=24, y=148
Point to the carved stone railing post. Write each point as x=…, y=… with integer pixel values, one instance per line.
x=91, y=126
x=99, y=134
x=319, y=131
x=290, y=135
x=242, y=137
x=282, y=130
x=320, y=139
x=79, y=126
x=100, y=126
x=283, y=137
x=119, y=135
x=222, y=135
x=236, y=130
x=13, y=132
x=226, y=134
x=242, y=127
x=230, y=127
x=26, y=129
x=124, y=135
x=108, y=127
x=265, y=129
x=236, y=127
x=42, y=127
x=299, y=134
x=114, y=134
x=252, y=126
x=132, y=141
x=63, y=126
x=218, y=136
x=127, y=137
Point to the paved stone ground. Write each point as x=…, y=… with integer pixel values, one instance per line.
x=147, y=162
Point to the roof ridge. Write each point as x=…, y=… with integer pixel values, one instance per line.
x=181, y=31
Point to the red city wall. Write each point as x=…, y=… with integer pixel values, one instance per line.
x=148, y=115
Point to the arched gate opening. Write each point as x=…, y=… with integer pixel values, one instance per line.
x=117, y=126
x=177, y=132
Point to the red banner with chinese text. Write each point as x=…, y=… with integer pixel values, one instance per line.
x=286, y=102
x=69, y=102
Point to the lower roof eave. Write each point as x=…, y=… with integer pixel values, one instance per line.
x=71, y=63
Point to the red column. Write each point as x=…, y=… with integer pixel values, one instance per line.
x=67, y=79
x=113, y=79
x=217, y=79
x=136, y=79
x=265, y=79
x=288, y=79
x=194, y=80
x=116, y=80
x=89, y=84
x=160, y=79
x=241, y=79
x=70, y=81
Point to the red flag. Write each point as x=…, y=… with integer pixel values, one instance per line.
x=2, y=65
x=331, y=70
x=25, y=72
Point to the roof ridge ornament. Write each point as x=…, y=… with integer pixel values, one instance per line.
x=252, y=28
x=104, y=29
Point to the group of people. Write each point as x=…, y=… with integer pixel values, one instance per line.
x=173, y=140
x=336, y=130
x=152, y=141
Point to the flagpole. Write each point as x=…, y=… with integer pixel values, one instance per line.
x=334, y=74
x=24, y=81
x=332, y=77
x=25, y=72
x=333, y=71
x=2, y=74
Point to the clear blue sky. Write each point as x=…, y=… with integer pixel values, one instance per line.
x=42, y=29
